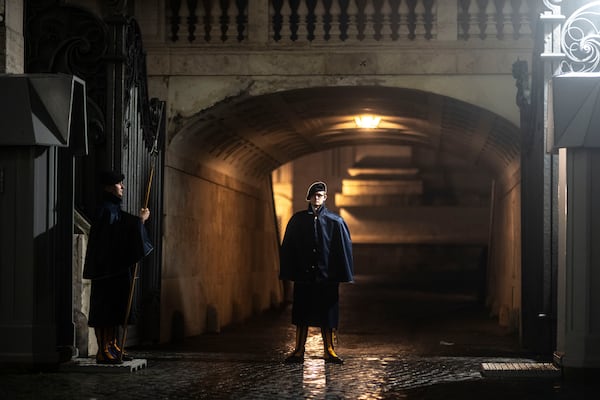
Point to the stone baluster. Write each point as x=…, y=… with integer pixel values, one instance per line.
x=207, y=19
x=482, y=18
x=224, y=19
x=499, y=18
x=412, y=19
x=311, y=19
x=294, y=19
x=175, y=7
x=515, y=18
x=428, y=18
x=286, y=13
x=380, y=23
x=259, y=21
x=327, y=19
x=344, y=19
x=332, y=21
x=394, y=19
x=361, y=19
x=277, y=19
x=192, y=19
x=241, y=19
x=464, y=19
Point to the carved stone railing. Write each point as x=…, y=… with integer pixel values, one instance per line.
x=355, y=21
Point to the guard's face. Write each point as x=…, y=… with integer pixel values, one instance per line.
x=116, y=189
x=318, y=198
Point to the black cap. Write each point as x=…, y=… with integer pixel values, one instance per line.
x=314, y=188
x=110, y=177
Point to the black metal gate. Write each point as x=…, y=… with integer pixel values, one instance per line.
x=125, y=129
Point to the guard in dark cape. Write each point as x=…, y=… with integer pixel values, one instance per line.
x=117, y=241
x=316, y=254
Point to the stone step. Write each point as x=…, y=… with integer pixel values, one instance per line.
x=377, y=200
x=355, y=187
x=378, y=171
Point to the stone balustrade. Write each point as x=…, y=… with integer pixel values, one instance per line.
x=346, y=21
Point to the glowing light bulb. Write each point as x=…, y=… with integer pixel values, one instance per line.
x=367, y=121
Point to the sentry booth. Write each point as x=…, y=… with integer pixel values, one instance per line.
x=43, y=127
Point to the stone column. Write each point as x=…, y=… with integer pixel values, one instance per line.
x=447, y=14
x=12, y=58
x=258, y=21
x=579, y=268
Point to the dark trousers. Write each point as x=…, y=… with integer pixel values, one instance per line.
x=316, y=304
x=108, y=301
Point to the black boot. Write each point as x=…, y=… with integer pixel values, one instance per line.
x=330, y=355
x=297, y=355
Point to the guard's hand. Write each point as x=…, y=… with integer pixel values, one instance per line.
x=144, y=214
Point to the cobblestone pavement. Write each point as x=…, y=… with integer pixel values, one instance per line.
x=397, y=344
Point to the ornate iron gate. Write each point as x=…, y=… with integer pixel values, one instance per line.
x=125, y=130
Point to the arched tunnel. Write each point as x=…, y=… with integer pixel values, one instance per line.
x=431, y=196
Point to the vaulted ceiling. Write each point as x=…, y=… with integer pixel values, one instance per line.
x=251, y=136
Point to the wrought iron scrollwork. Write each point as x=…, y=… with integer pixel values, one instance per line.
x=73, y=41
x=580, y=40
x=553, y=5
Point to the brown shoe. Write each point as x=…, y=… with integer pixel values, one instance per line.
x=105, y=356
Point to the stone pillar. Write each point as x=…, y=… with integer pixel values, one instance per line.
x=258, y=21
x=579, y=268
x=11, y=37
x=447, y=15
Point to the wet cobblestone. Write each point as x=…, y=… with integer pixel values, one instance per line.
x=217, y=376
x=431, y=349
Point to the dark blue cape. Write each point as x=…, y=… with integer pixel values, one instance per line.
x=117, y=241
x=316, y=250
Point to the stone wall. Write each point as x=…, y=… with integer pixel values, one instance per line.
x=221, y=252
x=483, y=259
x=504, y=261
x=195, y=76
x=2, y=38
x=11, y=37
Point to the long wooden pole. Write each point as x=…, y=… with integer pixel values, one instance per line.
x=153, y=154
x=135, y=272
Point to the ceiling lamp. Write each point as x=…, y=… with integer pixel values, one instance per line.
x=367, y=121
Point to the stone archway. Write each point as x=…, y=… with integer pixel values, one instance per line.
x=219, y=164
